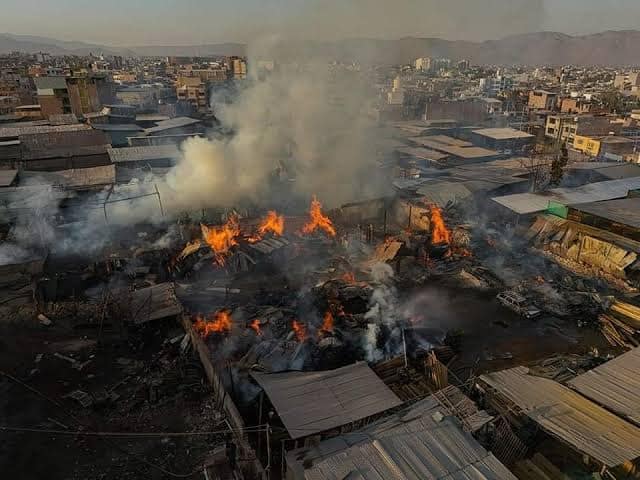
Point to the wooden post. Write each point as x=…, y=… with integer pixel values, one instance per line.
x=159, y=199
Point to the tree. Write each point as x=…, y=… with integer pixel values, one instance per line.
x=613, y=101
x=558, y=164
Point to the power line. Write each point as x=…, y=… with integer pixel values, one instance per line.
x=82, y=433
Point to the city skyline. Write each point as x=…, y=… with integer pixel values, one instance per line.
x=193, y=22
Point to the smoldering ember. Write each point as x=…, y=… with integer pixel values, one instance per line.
x=320, y=260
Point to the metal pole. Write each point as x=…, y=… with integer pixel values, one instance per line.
x=268, y=467
x=159, y=199
x=404, y=348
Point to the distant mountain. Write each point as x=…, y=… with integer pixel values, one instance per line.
x=610, y=48
x=222, y=49
x=544, y=48
x=33, y=44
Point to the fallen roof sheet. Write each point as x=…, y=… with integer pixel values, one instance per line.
x=313, y=402
x=154, y=303
x=525, y=203
x=7, y=177
x=568, y=416
x=615, y=385
x=415, y=443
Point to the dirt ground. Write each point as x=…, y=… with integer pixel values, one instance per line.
x=140, y=385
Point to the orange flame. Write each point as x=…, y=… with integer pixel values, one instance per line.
x=273, y=223
x=348, y=277
x=255, y=325
x=221, y=238
x=327, y=322
x=220, y=323
x=439, y=232
x=318, y=220
x=300, y=330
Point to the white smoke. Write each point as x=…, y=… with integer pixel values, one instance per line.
x=383, y=308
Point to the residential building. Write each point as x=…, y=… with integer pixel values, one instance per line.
x=575, y=105
x=194, y=91
x=8, y=105
x=497, y=85
x=564, y=128
x=396, y=95
x=53, y=95
x=33, y=112
x=423, y=64
x=239, y=68
x=542, y=100
x=78, y=94
x=143, y=97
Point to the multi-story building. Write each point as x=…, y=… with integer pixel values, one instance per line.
x=53, y=95
x=575, y=105
x=238, y=68
x=423, y=64
x=78, y=94
x=565, y=128
x=542, y=100
x=498, y=85
x=192, y=90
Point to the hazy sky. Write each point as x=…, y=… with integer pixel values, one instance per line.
x=161, y=22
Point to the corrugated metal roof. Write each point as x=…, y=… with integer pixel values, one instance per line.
x=625, y=211
x=122, y=127
x=615, y=385
x=312, y=402
x=502, y=133
x=524, y=203
x=568, y=416
x=443, y=193
x=63, y=119
x=63, y=144
x=15, y=132
x=75, y=178
x=47, y=83
x=139, y=154
x=172, y=123
x=411, y=444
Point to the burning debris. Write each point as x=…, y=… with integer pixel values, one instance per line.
x=221, y=238
x=219, y=322
x=440, y=234
x=272, y=223
x=318, y=220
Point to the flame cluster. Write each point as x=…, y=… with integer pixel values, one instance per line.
x=300, y=330
x=327, y=322
x=318, y=220
x=255, y=326
x=219, y=322
x=273, y=223
x=221, y=238
x=439, y=231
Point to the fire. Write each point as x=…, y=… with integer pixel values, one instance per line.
x=273, y=223
x=439, y=232
x=300, y=330
x=348, y=277
x=220, y=323
x=318, y=220
x=255, y=325
x=221, y=238
x=327, y=322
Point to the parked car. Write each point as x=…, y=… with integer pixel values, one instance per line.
x=518, y=304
